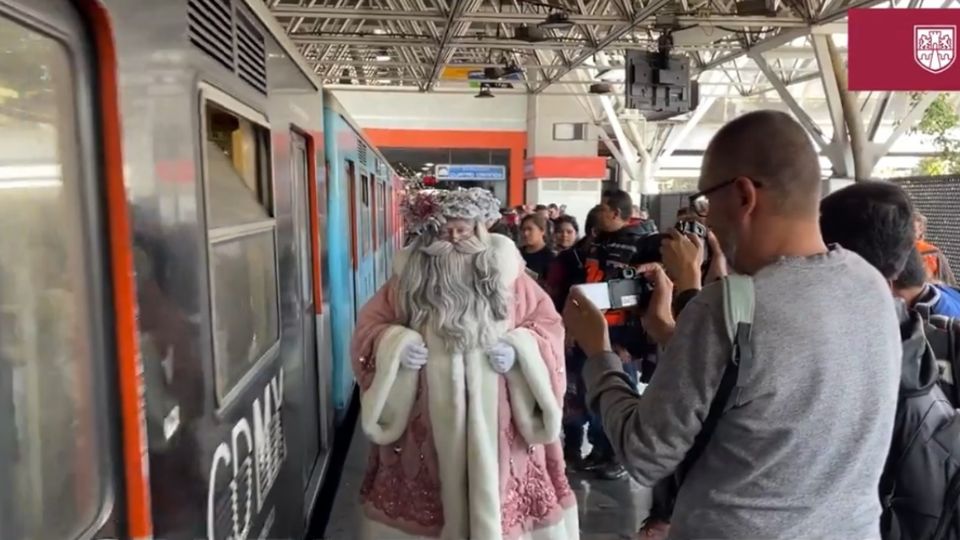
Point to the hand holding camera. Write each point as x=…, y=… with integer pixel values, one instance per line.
x=683, y=256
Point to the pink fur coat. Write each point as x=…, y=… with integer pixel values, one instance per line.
x=459, y=451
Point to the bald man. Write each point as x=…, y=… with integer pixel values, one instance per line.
x=800, y=446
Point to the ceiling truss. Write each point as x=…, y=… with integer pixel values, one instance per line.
x=420, y=45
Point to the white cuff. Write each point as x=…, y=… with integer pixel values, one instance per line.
x=537, y=412
x=385, y=406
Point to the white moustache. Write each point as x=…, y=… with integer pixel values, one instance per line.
x=440, y=248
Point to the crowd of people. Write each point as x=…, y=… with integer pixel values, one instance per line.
x=796, y=354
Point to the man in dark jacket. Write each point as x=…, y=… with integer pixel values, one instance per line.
x=617, y=246
x=874, y=219
x=913, y=286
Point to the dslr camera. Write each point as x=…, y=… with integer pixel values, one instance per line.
x=632, y=289
x=648, y=249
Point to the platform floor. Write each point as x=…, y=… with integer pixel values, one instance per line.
x=609, y=510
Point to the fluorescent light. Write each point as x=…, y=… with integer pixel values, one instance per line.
x=383, y=58
x=429, y=164
x=379, y=31
x=21, y=172
x=31, y=184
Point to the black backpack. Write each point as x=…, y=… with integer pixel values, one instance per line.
x=920, y=486
x=943, y=334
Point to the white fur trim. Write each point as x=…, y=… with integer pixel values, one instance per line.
x=483, y=452
x=467, y=458
x=447, y=393
x=536, y=411
x=509, y=261
x=568, y=528
x=385, y=406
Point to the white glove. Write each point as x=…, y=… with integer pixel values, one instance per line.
x=501, y=357
x=414, y=356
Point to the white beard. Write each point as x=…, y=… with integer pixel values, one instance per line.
x=454, y=290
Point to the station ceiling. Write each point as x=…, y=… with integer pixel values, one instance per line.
x=434, y=45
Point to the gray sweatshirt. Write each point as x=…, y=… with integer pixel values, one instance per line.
x=801, y=455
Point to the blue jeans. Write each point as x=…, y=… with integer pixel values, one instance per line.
x=577, y=413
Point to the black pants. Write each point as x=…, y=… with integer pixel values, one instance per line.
x=577, y=412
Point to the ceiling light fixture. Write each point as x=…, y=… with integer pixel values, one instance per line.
x=484, y=93
x=557, y=20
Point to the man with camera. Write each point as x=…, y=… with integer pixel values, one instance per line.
x=779, y=424
x=618, y=248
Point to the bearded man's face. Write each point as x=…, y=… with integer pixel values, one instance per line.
x=457, y=230
x=451, y=285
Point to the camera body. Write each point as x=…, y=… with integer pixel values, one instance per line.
x=648, y=249
x=633, y=289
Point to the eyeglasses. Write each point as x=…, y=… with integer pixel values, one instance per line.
x=699, y=203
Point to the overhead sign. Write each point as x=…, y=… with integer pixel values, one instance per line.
x=459, y=73
x=472, y=173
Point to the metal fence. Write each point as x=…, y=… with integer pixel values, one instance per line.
x=937, y=197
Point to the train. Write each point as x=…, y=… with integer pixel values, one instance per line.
x=191, y=225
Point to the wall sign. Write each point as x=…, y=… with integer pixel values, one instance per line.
x=472, y=173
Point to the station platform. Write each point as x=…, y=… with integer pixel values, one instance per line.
x=609, y=509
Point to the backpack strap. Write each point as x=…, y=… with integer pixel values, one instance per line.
x=738, y=307
x=739, y=303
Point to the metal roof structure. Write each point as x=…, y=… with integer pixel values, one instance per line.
x=419, y=44
x=741, y=49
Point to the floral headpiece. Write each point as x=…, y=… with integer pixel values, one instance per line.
x=429, y=209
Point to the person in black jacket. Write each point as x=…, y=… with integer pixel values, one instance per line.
x=614, y=249
x=873, y=219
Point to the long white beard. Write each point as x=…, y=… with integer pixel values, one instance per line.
x=454, y=290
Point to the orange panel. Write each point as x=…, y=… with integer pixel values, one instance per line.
x=135, y=461
x=314, y=224
x=514, y=141
x=585, y=167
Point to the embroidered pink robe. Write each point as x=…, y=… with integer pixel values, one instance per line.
x=459, y=451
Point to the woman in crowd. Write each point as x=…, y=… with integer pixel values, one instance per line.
x=565, y=232
x=533, y=233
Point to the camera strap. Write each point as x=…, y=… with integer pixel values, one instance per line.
x=738, y=307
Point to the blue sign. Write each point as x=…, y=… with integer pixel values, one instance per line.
x=472, y=173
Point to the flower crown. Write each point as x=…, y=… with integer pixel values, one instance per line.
x=428, y=209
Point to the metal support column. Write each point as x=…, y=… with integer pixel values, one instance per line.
x=851, y=113
x=839, y=150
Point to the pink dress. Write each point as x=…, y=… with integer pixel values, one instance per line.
x=460, y=451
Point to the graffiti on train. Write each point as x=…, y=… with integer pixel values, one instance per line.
x=251, y=461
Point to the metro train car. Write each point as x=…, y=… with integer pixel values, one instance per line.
x=174, y=278
x=364, y=230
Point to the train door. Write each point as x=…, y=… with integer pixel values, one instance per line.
x=377, y=237
x=61, y=341
x=304, y=230
x=388, y=241
x=354, y=233
x=382, y=239
x=365, y=273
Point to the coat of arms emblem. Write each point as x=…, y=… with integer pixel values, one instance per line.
x=934, y=47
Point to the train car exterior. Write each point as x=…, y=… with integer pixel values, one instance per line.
x=166, y=339
x=363, y=192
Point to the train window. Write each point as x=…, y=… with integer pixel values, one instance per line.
x=365, y=238
x=241, y=230
x=239, y=183
x=49, y=452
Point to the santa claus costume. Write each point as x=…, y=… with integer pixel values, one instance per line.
x=460, y=364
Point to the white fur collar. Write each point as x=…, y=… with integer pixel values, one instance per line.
x=509, y=261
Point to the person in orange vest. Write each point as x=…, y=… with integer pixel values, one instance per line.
x=936, y=263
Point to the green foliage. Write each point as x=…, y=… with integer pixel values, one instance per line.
x=940, y=121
